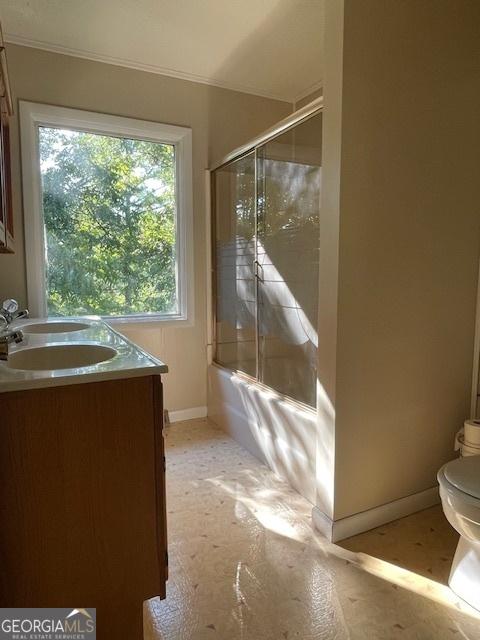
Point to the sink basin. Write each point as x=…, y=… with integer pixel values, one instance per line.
x=60, y=356
x=54, y=327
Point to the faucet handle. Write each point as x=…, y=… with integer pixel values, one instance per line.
x=10, y=306
x=10, y=311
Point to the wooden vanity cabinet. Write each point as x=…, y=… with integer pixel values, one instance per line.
x=82, y=500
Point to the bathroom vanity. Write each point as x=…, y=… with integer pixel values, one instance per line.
x=82, y=486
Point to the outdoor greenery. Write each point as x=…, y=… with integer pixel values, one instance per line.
x=109, y=211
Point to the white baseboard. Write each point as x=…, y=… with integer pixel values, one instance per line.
x=322, y=523
x=335, y=530
x=187, y=414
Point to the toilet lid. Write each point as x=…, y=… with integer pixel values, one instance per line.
x=464, y=474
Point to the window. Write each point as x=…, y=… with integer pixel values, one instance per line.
x=107, y=215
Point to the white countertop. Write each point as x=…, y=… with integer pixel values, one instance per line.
x=130, y=360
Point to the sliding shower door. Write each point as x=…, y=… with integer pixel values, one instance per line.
x=266, y=207
x=288, y=187
x=235, y=287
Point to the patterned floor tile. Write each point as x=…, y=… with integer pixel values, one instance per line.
x=245, y=563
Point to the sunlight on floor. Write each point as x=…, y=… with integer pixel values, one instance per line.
x=406, y=579
x=262, y=504
x=245, y=563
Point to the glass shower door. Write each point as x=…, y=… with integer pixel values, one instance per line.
x=288, y=234
x=234, y=279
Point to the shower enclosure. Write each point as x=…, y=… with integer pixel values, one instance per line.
x=266, y=203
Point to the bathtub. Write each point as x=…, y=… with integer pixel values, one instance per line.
x=278, y=431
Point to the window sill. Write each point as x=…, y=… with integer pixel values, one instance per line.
x=148, y=322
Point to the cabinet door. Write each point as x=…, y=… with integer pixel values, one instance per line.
x=82, y=499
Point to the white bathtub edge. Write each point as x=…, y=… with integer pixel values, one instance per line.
x=275, y=431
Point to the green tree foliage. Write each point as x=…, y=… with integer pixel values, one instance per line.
x=109, y=211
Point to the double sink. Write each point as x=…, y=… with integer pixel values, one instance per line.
x=65, y=351
x=58, y=356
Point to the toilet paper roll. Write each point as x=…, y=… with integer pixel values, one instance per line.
x=466, y=450
x=471, y=432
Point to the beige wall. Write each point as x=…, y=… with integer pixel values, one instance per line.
x=328, y=258
x=308, y=98
x=409, y=243
x=220, y=120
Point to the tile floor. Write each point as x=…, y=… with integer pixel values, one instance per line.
x=245, y=563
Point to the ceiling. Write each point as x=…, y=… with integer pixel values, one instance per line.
x=266, y=47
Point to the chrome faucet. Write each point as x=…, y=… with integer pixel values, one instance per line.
x=8, y=336
x=8, y=313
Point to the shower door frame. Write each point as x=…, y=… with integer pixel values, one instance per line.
x=301, y=115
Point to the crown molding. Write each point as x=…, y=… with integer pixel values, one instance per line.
x=140, y=66
x=310, y=89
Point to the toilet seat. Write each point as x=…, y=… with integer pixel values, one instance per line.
x=464, y=475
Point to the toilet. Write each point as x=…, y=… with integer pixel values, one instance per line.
x=459, y=482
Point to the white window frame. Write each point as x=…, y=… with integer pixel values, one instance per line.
x=33, y=116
